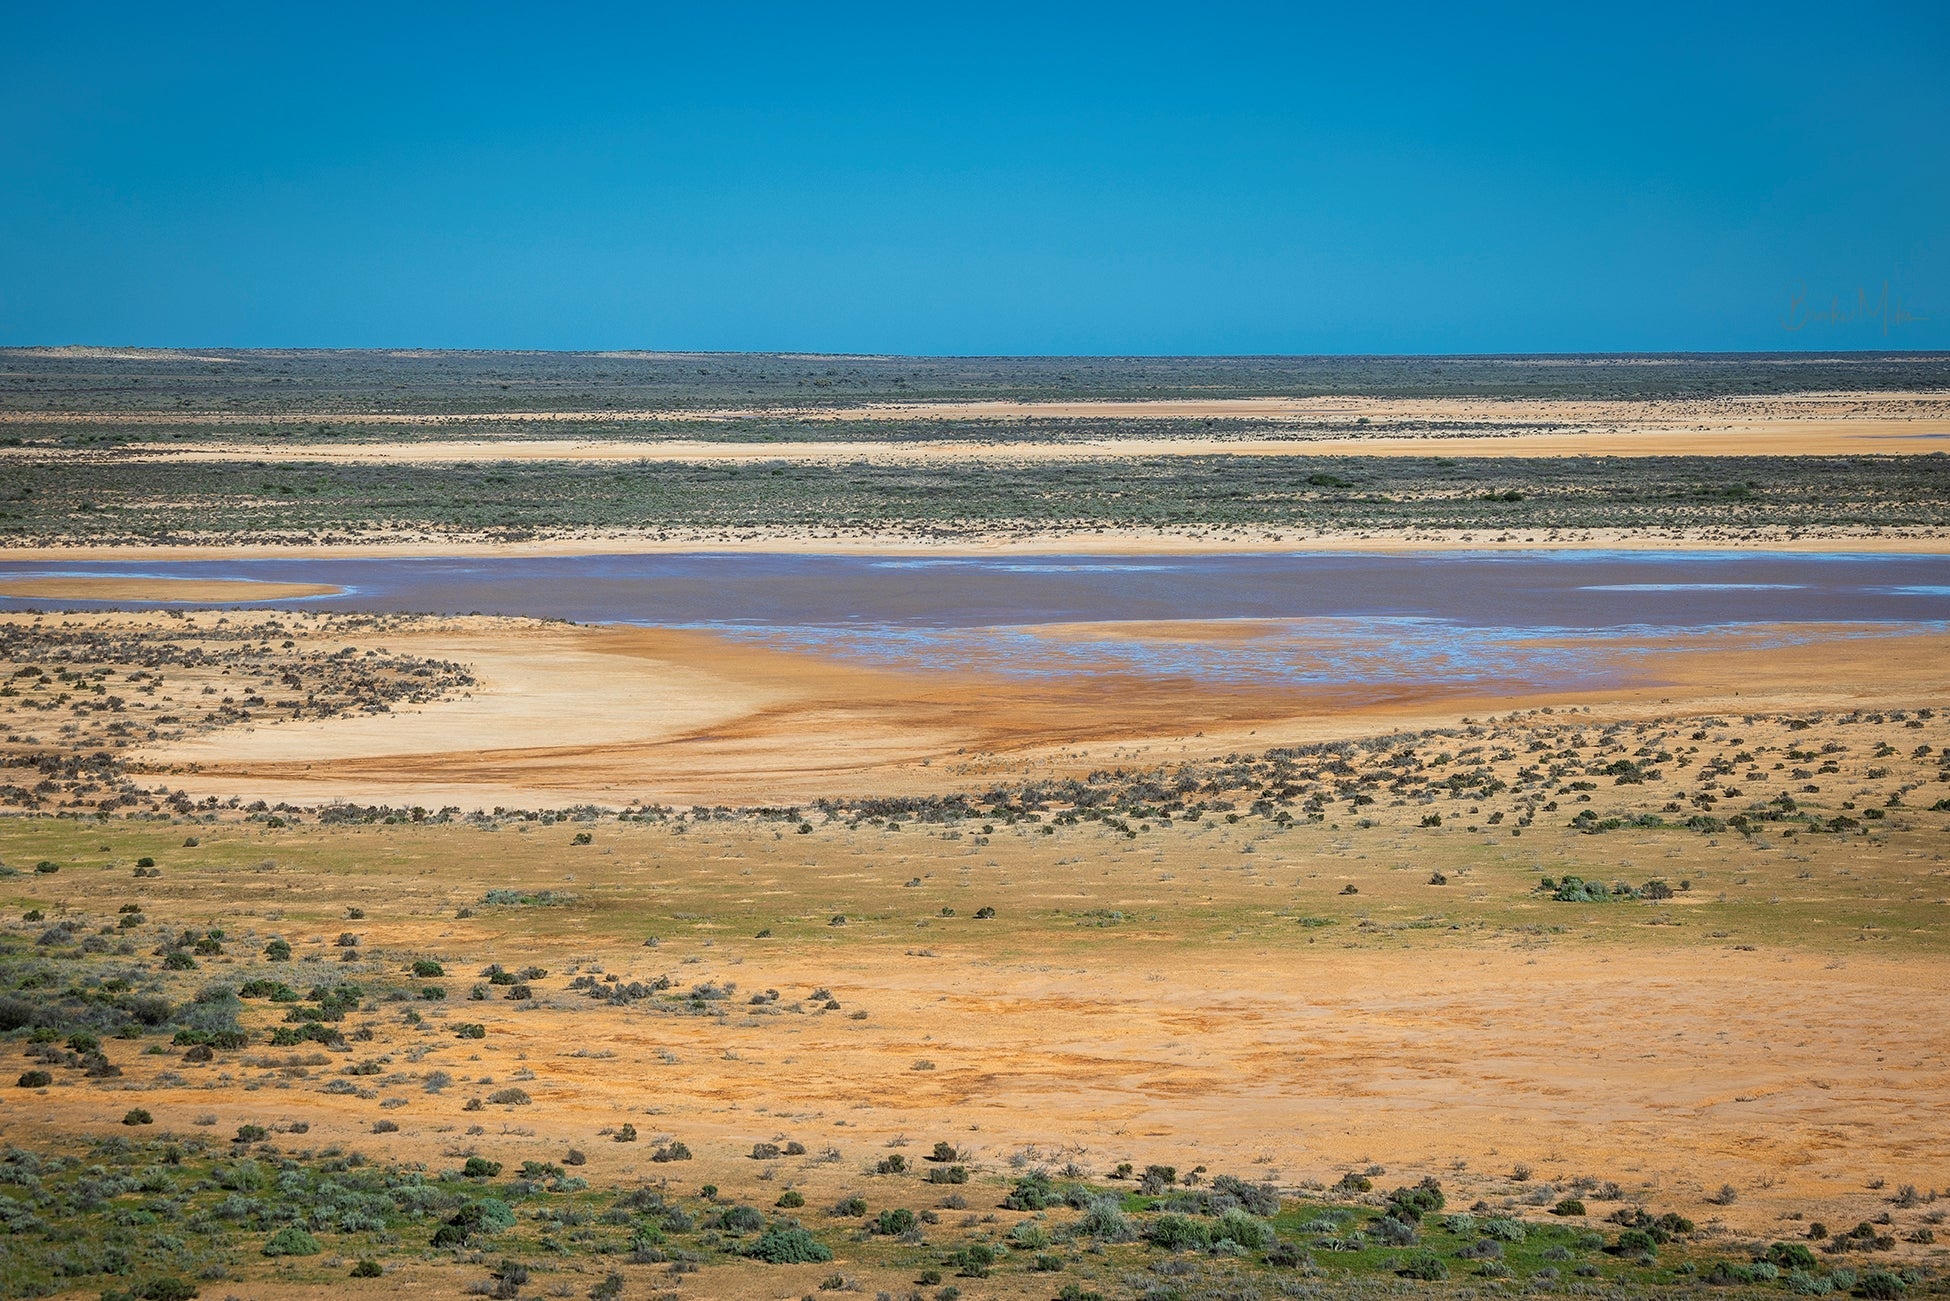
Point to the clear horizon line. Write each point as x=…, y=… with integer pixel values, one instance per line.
x=1646, y=354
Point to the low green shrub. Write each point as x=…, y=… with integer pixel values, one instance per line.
x=291, y=1241
x=788, y=1246
x=1423, y=1265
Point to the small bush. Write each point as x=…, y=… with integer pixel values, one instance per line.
x=1284, y=1255
x=1423, y=1265
x=137, y=1116
x=1033, y=1192
x=781, y=1246
x=1634, y=1242
x=34, y=1080
x=974, y=1261
x=1411, y=1204
x=367, y=1269
x=1247, y=1230
x=479, y=1167
x=1178, y=1233
x=1881, y=1285
x=1392, y=1232
x=741, y=1219
x=291, y=1241
x=161, y=1289
x=892, y=1223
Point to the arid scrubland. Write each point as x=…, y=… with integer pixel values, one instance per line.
x=281, y=450
x=1567, y=970
x=362, y=954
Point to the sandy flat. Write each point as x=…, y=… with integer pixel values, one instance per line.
x=1336, y=409
x=81, y=587
x=611, y=715
x=1201, y=540
x=1809, y=438
x=1618, y=1042
x=1290, y=1002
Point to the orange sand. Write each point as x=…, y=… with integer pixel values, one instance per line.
x=612, y=715
x=201, y=590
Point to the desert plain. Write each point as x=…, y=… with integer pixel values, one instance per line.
x=354, y=951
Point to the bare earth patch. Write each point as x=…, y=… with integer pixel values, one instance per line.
x=203, y=591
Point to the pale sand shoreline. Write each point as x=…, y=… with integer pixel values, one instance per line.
x=1830, y=404
x=1104, y=542
x=1854, y=438
x=565, y=714
x=87, y=587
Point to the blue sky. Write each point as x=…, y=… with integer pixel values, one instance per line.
x=954, y=179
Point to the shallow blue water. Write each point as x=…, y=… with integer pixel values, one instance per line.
x=1577, y=589
x=1548, y=618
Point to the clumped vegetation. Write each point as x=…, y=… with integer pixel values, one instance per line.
x=1508, y=775
x=124, y=983
x=298, y=391
x=60, y=500
x=76, y=693
x=93, y=1215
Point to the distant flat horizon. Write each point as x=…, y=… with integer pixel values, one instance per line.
x=239, y=381
x=646, y=353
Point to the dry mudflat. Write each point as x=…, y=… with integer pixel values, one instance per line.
x=538, y=714
x=566, y=716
